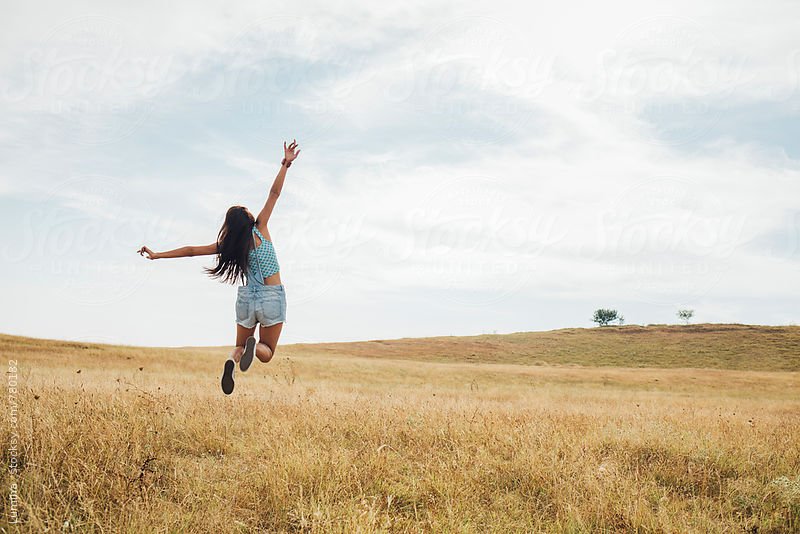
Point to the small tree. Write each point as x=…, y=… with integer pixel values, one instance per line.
x=685, y=315
x=602, y=316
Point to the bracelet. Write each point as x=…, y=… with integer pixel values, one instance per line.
x=287, y=163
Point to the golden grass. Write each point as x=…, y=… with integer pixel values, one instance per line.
x=334, y=439
x=714, y=346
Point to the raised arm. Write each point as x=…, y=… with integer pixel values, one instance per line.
x=277, y=185
x=181, y=252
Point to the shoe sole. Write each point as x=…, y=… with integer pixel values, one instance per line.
x=227, y=377
x=247, y=355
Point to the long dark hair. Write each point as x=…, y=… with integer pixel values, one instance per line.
x=233, y=246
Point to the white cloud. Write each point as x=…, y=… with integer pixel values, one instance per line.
x=499, y=147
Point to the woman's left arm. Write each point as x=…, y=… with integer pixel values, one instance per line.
x=181, y=252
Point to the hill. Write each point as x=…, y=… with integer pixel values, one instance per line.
x=713, y=346
x=410, y=435
x=709, y=346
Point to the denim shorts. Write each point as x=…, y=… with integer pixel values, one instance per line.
x=265, y=304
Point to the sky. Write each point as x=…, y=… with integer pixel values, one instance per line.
x=496, y=168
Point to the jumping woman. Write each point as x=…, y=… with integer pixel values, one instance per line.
x=245, y=252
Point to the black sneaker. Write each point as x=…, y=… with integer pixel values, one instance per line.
x=247, y=355
x=227, y=376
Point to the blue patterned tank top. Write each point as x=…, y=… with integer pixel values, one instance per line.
x=262, y=260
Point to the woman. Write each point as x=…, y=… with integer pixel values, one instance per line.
x=245, y=252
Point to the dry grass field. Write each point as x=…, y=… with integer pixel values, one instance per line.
x=616, y=429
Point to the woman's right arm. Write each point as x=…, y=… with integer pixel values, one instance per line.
x=180, y=252
x=289, y=156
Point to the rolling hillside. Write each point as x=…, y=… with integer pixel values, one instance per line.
x=715, y=346
x=710, y=346
x=560, y=431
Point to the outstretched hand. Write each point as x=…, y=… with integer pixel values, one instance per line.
x=289, y=152
x=150, y=254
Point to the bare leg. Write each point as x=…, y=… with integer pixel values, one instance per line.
x=237, y=354
x=268, y=341
x=242, y=334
